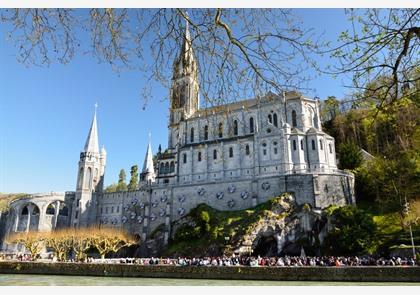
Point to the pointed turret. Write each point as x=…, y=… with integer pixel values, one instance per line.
x=148, y=172
x=92, y=144
x=148, y=161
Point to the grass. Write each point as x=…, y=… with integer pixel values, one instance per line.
x=6, y=199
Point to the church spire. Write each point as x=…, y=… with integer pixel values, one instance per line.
x=148, y=172
x=148, y=159
x=185, y=64
x=92, y=144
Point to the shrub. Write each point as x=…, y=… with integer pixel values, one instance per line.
x=354, y=232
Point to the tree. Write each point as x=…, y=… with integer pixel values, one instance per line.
x=350, y=156
x=122, y=186
x=81, y=242
x=354, y=232
x=240, y=52
x=382, y=45
x=33, y=242
x=112, y=188
x=134, y=180
x=107, y=240
x=330, y=108
x=391, y=181
x=59, y=241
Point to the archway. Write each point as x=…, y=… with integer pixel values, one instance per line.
x=266, y=246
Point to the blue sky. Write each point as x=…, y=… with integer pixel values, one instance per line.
x=46, y=113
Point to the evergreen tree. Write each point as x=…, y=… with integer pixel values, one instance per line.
x=350, y=156
x=134, y=181
x=122, y=186
x=112, y=188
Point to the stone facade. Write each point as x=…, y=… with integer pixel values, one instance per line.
x=230, y=157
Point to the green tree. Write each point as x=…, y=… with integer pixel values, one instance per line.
x=350, y=156
x=380, y=44
x=112, y=188
x=122, y=186
x=134, y=180
x=330, y=108
x=354, y=232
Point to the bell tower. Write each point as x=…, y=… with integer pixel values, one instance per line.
x=90, y=178
x=184, y=93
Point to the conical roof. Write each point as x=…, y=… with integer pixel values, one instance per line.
x=148, y=160
x=92, y=144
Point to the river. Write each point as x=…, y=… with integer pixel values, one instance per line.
x=56, y=280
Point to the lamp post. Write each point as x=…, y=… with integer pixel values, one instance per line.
x=406, y=212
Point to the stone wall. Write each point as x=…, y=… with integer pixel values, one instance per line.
x=355, y=274
x=140, y=212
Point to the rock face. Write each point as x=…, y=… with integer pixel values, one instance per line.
x=282, y=228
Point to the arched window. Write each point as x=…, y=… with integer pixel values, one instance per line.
x=166, y=167
x=231, y=152
x=206, y=132
x=313, y=144
x=199, y=156
x=35, y=211
x=162, y=168
x=294, y=144
x=235, y=128
x=247, y=150
x=220, y=130
x=192, y=135
x=330, y=146
x=294, y=122
x=185, y=158
x=50, y=210
x=270, y=119
x=275, y=122
x=89, y=178
x=172, y=168
x=25, y=210
x=301, y=144
x=321, y=145
x=214, y=154
x=251, y=125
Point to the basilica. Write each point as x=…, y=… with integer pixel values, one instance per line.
x=231, y=157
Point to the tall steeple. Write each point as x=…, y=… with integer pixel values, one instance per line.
x=148, y=172
x=185, y=64
x=90, y=178
x=92, y=144
x=184, y=93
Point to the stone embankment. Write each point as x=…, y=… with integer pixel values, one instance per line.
x=355, y=274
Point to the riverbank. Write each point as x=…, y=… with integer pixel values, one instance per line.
x=307, y=273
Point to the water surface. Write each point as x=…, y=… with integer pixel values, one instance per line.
x=56, y=280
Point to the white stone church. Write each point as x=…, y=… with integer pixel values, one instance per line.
x=230, y=157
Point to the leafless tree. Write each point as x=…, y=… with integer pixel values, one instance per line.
x=241, y=53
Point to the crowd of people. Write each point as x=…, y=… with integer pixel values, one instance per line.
x=267, y=261
x=234, y=260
